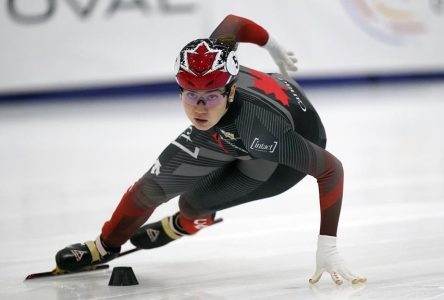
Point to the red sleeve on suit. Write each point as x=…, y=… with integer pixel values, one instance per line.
x=242, y=29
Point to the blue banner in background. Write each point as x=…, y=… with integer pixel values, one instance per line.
x=159, y=88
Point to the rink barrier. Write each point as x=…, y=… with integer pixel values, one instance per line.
x=158, y=88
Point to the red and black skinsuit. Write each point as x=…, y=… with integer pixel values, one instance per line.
x=270, y=138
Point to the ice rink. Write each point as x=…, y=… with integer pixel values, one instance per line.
x=65, y=164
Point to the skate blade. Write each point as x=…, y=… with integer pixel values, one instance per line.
x=58, y=271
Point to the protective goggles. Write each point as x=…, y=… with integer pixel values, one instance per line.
x=208, y=98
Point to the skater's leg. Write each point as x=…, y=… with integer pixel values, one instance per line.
x=175, y=171
x=238, y=185
x=232, y=185
x=130, y=214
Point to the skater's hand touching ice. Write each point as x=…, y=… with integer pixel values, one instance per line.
x=329, y=260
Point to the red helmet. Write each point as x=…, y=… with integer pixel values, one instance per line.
x=206, y=64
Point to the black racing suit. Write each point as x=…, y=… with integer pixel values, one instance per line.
x=269, y=139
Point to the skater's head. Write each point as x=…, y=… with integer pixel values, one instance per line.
x=206, y=70
x=207, y=64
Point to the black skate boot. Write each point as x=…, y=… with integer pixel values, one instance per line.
x=158, y=234
x=167, y=230
x=82, y=256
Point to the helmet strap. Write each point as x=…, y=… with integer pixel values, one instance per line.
x=228, y=93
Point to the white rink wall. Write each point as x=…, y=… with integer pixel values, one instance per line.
x=57, y=44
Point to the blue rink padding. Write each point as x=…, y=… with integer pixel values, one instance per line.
x=156, y=88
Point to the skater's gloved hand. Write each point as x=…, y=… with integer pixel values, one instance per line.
x=328, y=260
x=285, y=60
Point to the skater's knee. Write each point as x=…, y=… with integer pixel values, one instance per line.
x=149, y=193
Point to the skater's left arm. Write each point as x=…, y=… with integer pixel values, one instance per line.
x=243, y=30
x=293, y=150
x=297, y=152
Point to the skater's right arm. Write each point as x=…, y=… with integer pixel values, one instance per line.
x=243, y=30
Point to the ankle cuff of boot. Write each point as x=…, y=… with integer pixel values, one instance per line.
x=92, y=247
x=169, y=228
x=107, y=247
x=100, y=247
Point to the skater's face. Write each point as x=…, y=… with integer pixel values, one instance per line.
x=206, y=108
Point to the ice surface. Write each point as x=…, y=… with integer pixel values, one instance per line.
x=65, y=165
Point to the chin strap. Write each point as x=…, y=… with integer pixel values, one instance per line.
x=228, y=91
